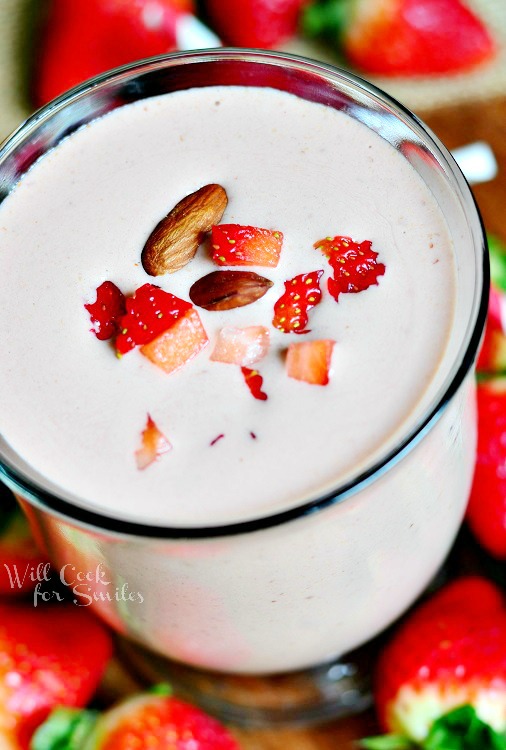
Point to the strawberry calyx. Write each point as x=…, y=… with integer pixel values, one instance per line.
x=301, y=294
x=65, y=729
x=459, y=729
x=354, y=264
x=497, y=251
x=149, y=312
x=326, y=19
x=106, y=312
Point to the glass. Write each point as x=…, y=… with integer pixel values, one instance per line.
x=297, y=589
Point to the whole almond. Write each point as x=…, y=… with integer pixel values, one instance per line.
x=224, y=290
x=176, y=238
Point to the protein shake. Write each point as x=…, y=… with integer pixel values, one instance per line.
x=81, y=216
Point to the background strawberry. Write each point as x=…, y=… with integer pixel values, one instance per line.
x=18, y=550
x=402, y=37
x=449, y=652
x=152, y=720
x=81, y=38
x=254, y=23
x=486, y=513
x=49, y=656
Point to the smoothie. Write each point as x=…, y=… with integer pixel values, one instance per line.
x=82, y=215
x=268, y=594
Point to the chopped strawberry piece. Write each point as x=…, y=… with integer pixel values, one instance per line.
x=153, y=445
x=354, y=264
x=149, y=312
x=178, y=344
x=106, y=312
x=301, y=294
x=310, y=361
x=236, y=245
x=254, y=381
x=241, y=346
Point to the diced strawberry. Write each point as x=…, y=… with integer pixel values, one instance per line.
x=310, y=361
x=106, y=311
x=354, y=264
x=236, y=245
x=254, y=381
x=241, y=346
x=178, y=344
x=153, y=445
x=149, y=312
x=301, y=294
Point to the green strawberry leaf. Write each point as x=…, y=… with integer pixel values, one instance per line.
x=387, y=742
x=462, y=729
x=497, y=252
x=326, y=19
x=64, y=729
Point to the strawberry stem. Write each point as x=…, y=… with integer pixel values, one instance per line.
x=326, y=19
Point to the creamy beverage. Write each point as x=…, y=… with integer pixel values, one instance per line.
x=82, y=215
x=226, y=583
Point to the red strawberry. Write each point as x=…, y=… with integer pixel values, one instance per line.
x=19, y=554
x=49, y=656
x=236, y=245
x=106, y=312
x=310, y=361
x=254, y=23
x=254, y=381
x=301, y=294
x=492, y=356
x=153, y=445
x=402, y=37
x=82, y=38
x=149, y=312
x=241, y=346
x=153, y=720
x=486, y=513
x=450, y=652
x=354, y=264
x=177, y=345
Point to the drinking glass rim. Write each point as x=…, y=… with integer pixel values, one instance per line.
x=102, y=522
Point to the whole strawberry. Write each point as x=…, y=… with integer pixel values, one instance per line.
x=82, y=38
x=449, y=653
x=254, y=23
x=492, y=356
x=486, y=512
x=49, y=656
x=153, y=720
x=402, y=37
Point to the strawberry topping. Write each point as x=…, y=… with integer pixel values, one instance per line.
x=106, y=312
x=310, y=361
x=254, y=381
x=301, y=294
x=354, y=264
x=241, y=346
x=236, y=245
x=149, y=312
x=153, y=445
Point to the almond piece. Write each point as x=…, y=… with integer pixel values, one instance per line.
x=176, y=238
x=224, y=290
